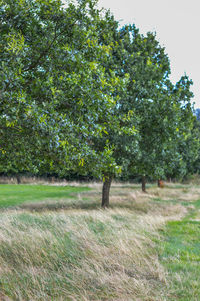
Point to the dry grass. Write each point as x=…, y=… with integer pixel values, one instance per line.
x=184, y=193
x=78, y=254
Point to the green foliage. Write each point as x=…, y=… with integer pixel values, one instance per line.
x=55, y=87
x=79, y=94
x=165, y=116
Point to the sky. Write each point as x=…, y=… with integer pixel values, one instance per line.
x=177, y=26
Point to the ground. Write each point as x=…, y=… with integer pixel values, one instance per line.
x=56, y=243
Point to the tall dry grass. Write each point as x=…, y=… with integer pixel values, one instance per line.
x=86, y=254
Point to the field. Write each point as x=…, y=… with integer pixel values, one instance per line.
x=56, y=243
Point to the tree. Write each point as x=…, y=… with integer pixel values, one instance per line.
x=164, y=111
x=184, y=146
x=119, y=140
x=148, y=67
x=55, y=87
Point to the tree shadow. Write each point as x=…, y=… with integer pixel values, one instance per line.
x=75, y=205
x=56, y=206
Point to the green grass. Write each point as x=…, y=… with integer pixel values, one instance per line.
x=181, y=256
x=15, y=195
x=172, y=202
x=197, y=204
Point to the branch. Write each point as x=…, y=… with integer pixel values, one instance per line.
x=47, y=49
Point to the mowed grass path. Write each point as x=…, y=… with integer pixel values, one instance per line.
x=15, y=195
x=181, y=255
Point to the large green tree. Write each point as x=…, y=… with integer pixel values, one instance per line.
x=55, y=88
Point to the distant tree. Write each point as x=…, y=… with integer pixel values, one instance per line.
x=148, y=67
x=164, y=111
x=186, y=140
x=183, y=144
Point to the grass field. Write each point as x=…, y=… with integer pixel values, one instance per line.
x=16, y=195
x=56, y=243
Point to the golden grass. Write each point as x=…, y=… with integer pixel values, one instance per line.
x=78, y=254
x=187, y=193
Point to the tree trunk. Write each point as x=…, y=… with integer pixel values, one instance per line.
x=18, y=179
x=160, y=184
x=143, y=183
x=106, y=191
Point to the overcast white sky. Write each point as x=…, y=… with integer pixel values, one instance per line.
x=177, y=24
